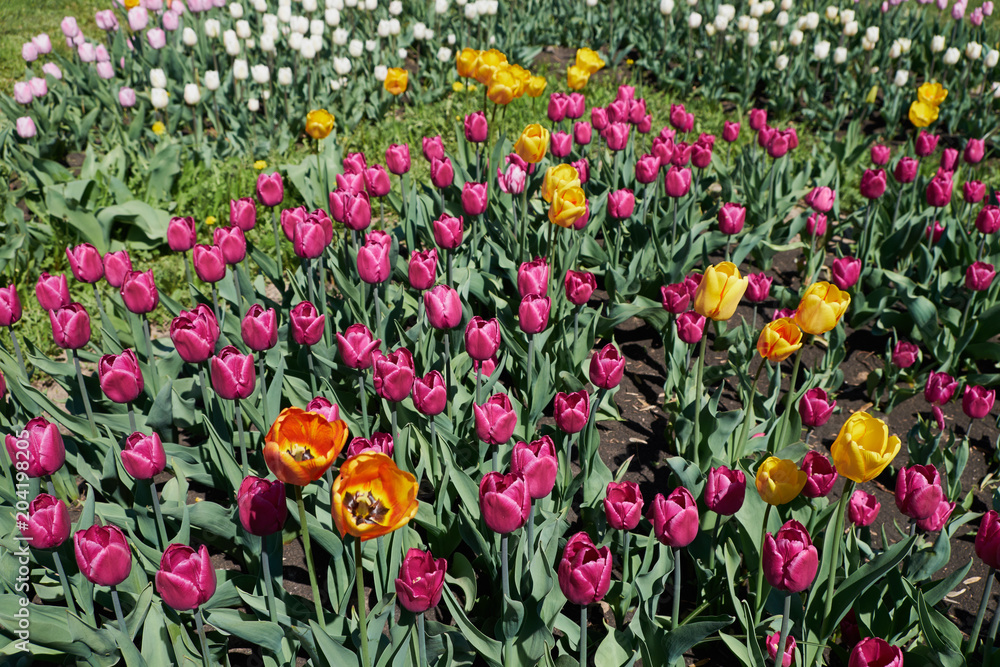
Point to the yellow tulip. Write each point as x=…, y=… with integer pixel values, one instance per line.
x=779, y=481
x=923, y=114
x=372, y=497
x=558, y=177
x=576, y=77
x=932, y=93
x=720, y=291
x=779, y=339
x=863, y=447
x=522, y=77
x=569, y=204
x=131, y=4
x=588, y=60
x=503, y=85
x=821, y=308
x=466, y=61
x=489, y=62
x=536, y=86
x=532, y=143
x=872, y=95
x=319, y=123
x=395, y=80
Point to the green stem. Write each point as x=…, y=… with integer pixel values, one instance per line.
x=697, y=399
x=970, y=648
x=161, y=530
x=364, y=403
x=789, y=397
x=422, y=639
x=83, y=388
x=238, y=416
x=625, y=536
x=263, y=389
x=677, y=588
x=786, y=619
x=20, y=359
x=758, y=603
x=200, y=624
x=118, y=611
x=359, y=574
x=583, y=636
x=312, y=571
x=831, y=581
x=990, y=638
x=277, y=239
x=265, y=573
x=67, y=591
x=749, y=418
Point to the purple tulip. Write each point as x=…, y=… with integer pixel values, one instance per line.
x=186, y=579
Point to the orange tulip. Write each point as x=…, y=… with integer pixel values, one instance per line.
x=372, y=497
x=779, y=339
x=301, y=445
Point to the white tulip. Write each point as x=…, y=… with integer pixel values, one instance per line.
x=991, y=59
x=721, y=23
x=754, y=25
x=694, y=20
x=774, y=45
x=295, y=41
x=710, y=29
x=352, y=3
x=308, y=50
x=317, y=27
x=905, y=43
x=371, y=5
x=699, y=53
x=243, y=29
x=786, y=5
x=452, y=39
x=800, y=23
x=284, y=3
x=471, y=11
x=191, y=94
x=692, y=3
x=781, y=62
x=996, y=90
x=157, y=79
x=840, y=55
x=371, y=45
x=270, y=22
x=743, y=23
x=440, y=6
x=241, y=71
x=419, y=31
x=937, y=43
x=159, y=98
x=851, y=28
x=317, y=42
x=300, y=24
x=267, y=43
x=233, y=46
x=753, y=39
x=402, y=53
x=867, y=44
x=730, y=38
x=260, y=73
x=831, y=13
x=236, y=10
x=781, y=19
x=212, y=79
x=285, y=14
x=341, y=66
x=666, y=7
x=846, y=16
x=395, y=7
x=973, y=50
x=444, y=54
x=309, y=5
x=253, y=104
x=335, y=85
x=332, y=17
x=285, y=76
x=902, y=76
x=795, y=37
x=812, y=20
x=383, y=28
x=872, y=34
x=758, y=10
x=340, y=37
x=728, y=11
x=395, y=28
x=430, y=33
x=821, y=50
x=895, y=50
x=189, y=37
x=212, y=28
x=768, y=7
x=952, y=56
x=356, y=48
x=260, y=6
x=250, y=44
x=381, y=71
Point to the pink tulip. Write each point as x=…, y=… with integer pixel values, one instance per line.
x=730, y=131
x=121, y=378
x=10, y=306
x=816, y=225
x=85, y=262
x=482, y=338
x=537, y=463
x=443, y=306
x=476, y=127
x=821, y=475
x=790, y=560
x=495, y=419
x=731, y=218
x=430, y=394
x=863, y=508
x=143, y=456
x=43, y=454
x=243, y=213
x=725, y=490
x=977, y=401
x=560, y=144
x=377, y=183
x=513, y=181
x=906, y=170
x=582, y=133
x=233, y=374
x=422, y=269
x=195, y=333
x=623, y=505
x=875, y=652
x=103, y=555
x=47, y=523
x=758, y=287
x=979, y=276
x=584, y=572
x=504, y=502
x=70, y=326
x=575, y=106
x=815, y=408
x=270, y=189
x=621, y=204
x=938, y=519
x=186, y=579
x=975, y=149
x=690, y=327
x=209, y=262
x=926, y=143
x=845, y=272
x=571, y=411
x=355, y=164
x=973, y=192
x=607, y=367
x=433, y=148
x=474, y=198
x=918, y=491
x=988, y=540
x=772, y=648
x=232, y=243
x=533, y=313
x=262, y=505
x=448, y=231
x=393, y=375
x=580, y=285
x=616, y=134
x=556, y=110
x=880, y=154
x=356, y=346
x=442, y=173
x=674, y=518
x=138, y=291
x=181, y=233
x=873, y=183
x=380, y=443
x=905, y=354
x=949, y=159
x=397, y=158
x=259, y=328
x=421, y=581
x=758, y=119
x=678, y=182
x=373, y=258
x=533, y=277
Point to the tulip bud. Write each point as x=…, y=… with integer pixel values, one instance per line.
x=323, y=407
x=815, y=408
x=979, y=276
x=138, y=291
x=495, y=419
x=44, y=452
x=423, y=269
x=571, y=411
x=918, y=491
x=582, y=133
x=380, y=443
x=949, y=158
x=143, y=456
x=103, y=555
x=443, y=306
x=772, y=649
x=880, y=154
x=306, y=324
x=503, y=501
x=690, y=327
x=537, y=463
x=47, y=523
x=231, y=242
x=677, y=182
x=758, y=287
x=905, y=354
x=474, y=198
x=725, y=490
x=448, y=231
x=85, y=262
x=974, y=151
x=186, y=579
x=845, y=272
x=397, y=158
x=973, y=191
x=430, y=394
x=731, y=218
x=789, y=559
x=52, y=292
x=259, y=328
x=585, y=571
x=194, y=334
x=873, y=183
x=10, y=306
x=233, y=374
x=940, y=388
x=373, y=258
x=623, y=505
x=820, y=475
x=977, y=401
x=421, y=581
x=181, y=234
x=906, y=170
x=863, y=508
x=988, y=540
x=209, y=262
x=533, y=313
x=70, y=326
x=674, y=518
x=482, y=338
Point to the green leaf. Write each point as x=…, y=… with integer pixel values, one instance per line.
x=489, y=649
x=686, y=636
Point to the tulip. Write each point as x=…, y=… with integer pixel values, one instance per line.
x=70, y=326
x=319, y=124
x=779, y=481
x=758, y=287
x=789, y=558
x=262, y=505
x=977, y=401
x=979, y=276
x=939, y=190
x=675, y=298
x=974, y=151
x=121, y=379
x=561, y=144
x=290, y=217
x=934, y=231
x=582, y=133
x=621, y=204
x=906, y=170
x=580, y=285
x=504, y=501
x=380, y=442
x=585, y=571
x=607, y=367
x=270, y=191
x=949, y=158
x=681, y=155
x=397, y=158
x=143, y=456
x=85, y=262
x=973, y=191
x=720, y=291
x=816, y=225
x=863, y=448
x=377, y=183
x=181, y=234
x=537, y=463
x=731, y=218
x=430, y=394
x=355, y=164
x=47, y=524
x=103, y=555
x=846, y=271
x=674, y=518
x=448, y=231
x=233, y=374
x=352, y=182
x=880, y=154
x=423, y=269
x=482, y=338
x=443, y=306
x=231, y=242
x=623, y=505
x=815, y=408
x=393, y=375
x=301, y=445
x=533, y=277
x=571, y=411
x=863, y=508
x=821, y=308
x=433, y=148
x=306, y=324
x=476, y=127
x=194, y=333
x=495, y=419
x=532, y=144
x=758, y=119
x=725, y=490
x=513, y=181
x=988, y=540
x=474, y=198
x=243, y=212
x=43, y=454
x=259, y=328
x=209, y=262
x=442, y=173
x=557, y=107
x=779, y=339
x=138, y=291
x=873, y=183
x=186, y=579
x=918, y=491
x=356, y=346
x=533, y=313
x=421, y=581
x=373, y=258
x=577, y=103
x=354, y=210
x=324, y=408
x=875, y=652
x=821, y=475
x=926, y=143
x=52, y=292
x=940, y=388
x=905, y=354
x=10, y=306
x=690, y=327
x=937, y=520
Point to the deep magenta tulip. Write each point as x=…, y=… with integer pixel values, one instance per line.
x=85, y=262
x=977, y=401
x=979, y=276
x=821, y=199
x=816, y=225
x=873, y=183
x=504, y=501
x=433, y=148
x=616, y=135
x=323, y=407
x=571, y=411
x=243, y=213
x=623, y=505
x=918, y=491
x=560, y=144
x=576, y=104
x=356, y=346
x=730, y=131
x=821, y=475
x=117, y=266
x=352, y=209
x=725, y=490
x=448, y=231
x=270, y=190
x=974, y=151
x=474, y=198
x=731, y=218
x=940, y=388
x=533, y=277
x=442, y=173
x=309, y=237
x=846, y=271
x=394, y=375
x=674, y=518
x=790, y=560
x=690, y=327
x=42, y=453
x=906, y=170
x=194, y=333
x=70, y=326
x=937, y=520
x=875, y=652
x=377, y=183
x=259, y=328
x=52, y=291
x=482, y=338
x=443, y=306
x=209, y=262
x=949, y=159
x=599, y=118
x=987, y=220
x=10, y=306
x=143, y=456
x=262, y=505
x=678, y=181
x=232, y=242
x=354, y=163
x=121, y=379
x=934, y=231
x=186, y=579
x=675, y=298
x=815, y=408
x=397, y=158
x=373, y=258
x=233, y=374
x=351, y=182
x=537, y=462
x=647, y=169
x=880, y=154
x=556, y=110
x=47, y=524
x=139, y=292
x=772, y=648
x=306, y=324
x=621, y=204
x=380, y=443
x=607, y=367
x=421, y=581
x=905, y=354
x=423, y=269
x=973, y=192
x=939, y=190
x=291, y=217
x=988, y=540
x=758, y=287
x=430, y=395
x=758, y=119
x=533, y=313
x=495, y=419
x=579, y=286
x=863, y=508
x=584, y=571
x=583, y=133
x=103, y=555
x=476, y=127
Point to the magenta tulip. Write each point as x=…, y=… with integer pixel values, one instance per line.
x=846, y=271
x=621, y=204
x=585, y=571
x=70, y=326
x=397, y=158
x=232, y=242
x=939, y=190
x=820, y=475
x=103, y=555
x=143, y=456
x=725, y=490
x=906, y=170
x=977, y=401
x=495, y=419
x=533, y=277
x=85, y=262
x=772, y=648
x=678, y=182
x=442, y=173
x=571, y=411
x=139, y=292
x=380, y=443
x=306, y=324
x=873, y=183
x=356, y=346
x=259, y=328
x=582, y=133
x=448, y=231
x=938, y=519
x=233, y=374
x=538, y=464
x=117, y=265
x=121, y=379
x=556, y=110
x=940, y=388
x=373, y=258
x=607, y=367
x=194, y=333
x=430, y=394
x=905, y=354
x=790, y=560
x=504, y=502
x=979, y=276
x=815, y=408
x=758, y=287
x=474, y=198
x=533, y=313
x=421, y=581
x=580, y=285
x=875, y=652
x=394, y=374
x=974, y=151
x=674, y=518
x=323, y=407
x=47, y=524
x=988, y=540
x=209, y=262
x=731, y=218
x=918, y=491
x=623, y=505
x=443, y=306
x=270, y=189
x=243, y=213
x=863, y=508
x=52, y=291
x=186, y=579
x=262, y=505
x=675, y=298
x=482, y=338
x=41, y=453
x=880, y=154
x=690, y=327
x=730, y=131
x=10, y=306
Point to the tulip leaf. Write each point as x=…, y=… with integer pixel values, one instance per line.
x=489, y=649
x=616, y=649
x=332, y=651
x=936, y=592
x=680, y=640
x=462, y=575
